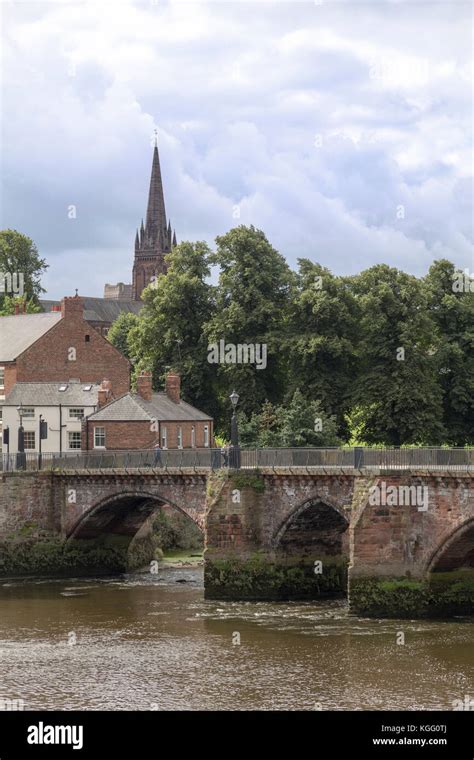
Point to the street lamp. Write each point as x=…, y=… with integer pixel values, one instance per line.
x=21, y=459
x=234, y=453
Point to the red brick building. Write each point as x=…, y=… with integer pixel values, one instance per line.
x=58, y=346
x=144, y=419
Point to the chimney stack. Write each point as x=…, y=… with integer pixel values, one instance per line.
x=72, y=307
x=173, y=386
x=144, y=385
x=104, y=394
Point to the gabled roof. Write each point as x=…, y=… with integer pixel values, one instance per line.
x=101, y=309
x=48, y=394
x=133, y=408
x=19, y=332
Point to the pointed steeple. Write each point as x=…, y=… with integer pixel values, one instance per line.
x=137, y=242
x=174, y=239
x=155, y=215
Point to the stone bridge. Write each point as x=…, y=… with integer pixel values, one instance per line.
x=400, y=541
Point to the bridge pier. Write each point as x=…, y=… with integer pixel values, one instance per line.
x=256, y=550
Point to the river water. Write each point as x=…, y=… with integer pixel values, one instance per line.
x=151, y=642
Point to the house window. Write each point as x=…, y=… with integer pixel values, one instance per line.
x=2, y=377
x=193, y=437
x=87, y=338
x=164, y=438
x=74, y=439
x=206, y=435
x=99, y=438
x=76, y=413
x=28, y=412
x=29, y=439
x=180, y=438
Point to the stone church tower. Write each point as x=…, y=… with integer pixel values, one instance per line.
x=152, y=242
x=155, y=239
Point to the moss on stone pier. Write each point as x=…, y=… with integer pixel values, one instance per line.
x=442, y=596
x=261, y=578
x=54, y=557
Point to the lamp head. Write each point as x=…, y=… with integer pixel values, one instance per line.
x=234, y=397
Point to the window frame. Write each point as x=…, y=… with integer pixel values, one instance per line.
x=103, y=435
x=29, y=434
x=74, y=433
x=76, y=408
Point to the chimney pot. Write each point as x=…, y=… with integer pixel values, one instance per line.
x=145, y=385
x=173, y=386
x=104, y=394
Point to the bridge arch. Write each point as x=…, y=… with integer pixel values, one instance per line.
x=314, y=540
x=330, y=510
x=455, y=551
x=123, y=513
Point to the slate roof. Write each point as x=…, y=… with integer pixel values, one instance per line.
x=133, y=408
x=19, y=332
x=101, y=309
x=48, y=394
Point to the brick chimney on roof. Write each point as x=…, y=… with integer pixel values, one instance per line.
x=104, y=394
x=145, y=385
x=173, y=386
x=72, y=307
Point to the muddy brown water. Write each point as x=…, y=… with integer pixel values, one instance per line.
x=149, y=642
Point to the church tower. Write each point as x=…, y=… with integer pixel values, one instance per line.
x=154, y=240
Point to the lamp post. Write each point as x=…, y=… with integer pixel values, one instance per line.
x=234, y=453
x=21, y=457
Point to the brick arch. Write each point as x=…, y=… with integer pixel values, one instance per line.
x=448, y=543
x=299, y=509
x=136, y=504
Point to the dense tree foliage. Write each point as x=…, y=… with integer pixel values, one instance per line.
x=120, y=331
x=382, y=357
x=20, y=263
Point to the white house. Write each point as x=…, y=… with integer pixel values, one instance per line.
x=62, y=405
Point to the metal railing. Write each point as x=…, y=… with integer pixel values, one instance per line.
x=356, y=458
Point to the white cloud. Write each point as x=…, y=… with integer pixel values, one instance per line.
x=319, y=121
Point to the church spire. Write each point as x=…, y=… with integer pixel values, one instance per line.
x=155, y=215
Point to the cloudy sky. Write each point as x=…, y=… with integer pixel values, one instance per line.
x=342, y=129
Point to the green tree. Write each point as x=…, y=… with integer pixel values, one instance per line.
x=299, y=423
x=305, y=423
x=10, y=303
x=252, y=298
x=397, y=397
x=451, y=306
x=20, y=263
x=170, y=329
x=321, y=338
x=120, y=330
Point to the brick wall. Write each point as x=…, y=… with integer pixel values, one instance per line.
x=10, y=376
x=95, y=358
x=137, y=435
